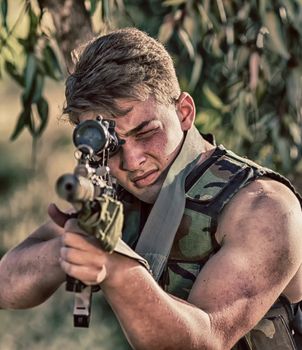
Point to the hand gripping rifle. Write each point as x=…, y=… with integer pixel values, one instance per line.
x=92, y=191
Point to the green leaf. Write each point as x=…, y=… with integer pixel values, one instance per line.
x=292, y=12
x=22, y=121
x=262, y=8
x=290, y=9
x=196, y=71
x=39, y=84
x=221, y=10
x=212, y=43
x=29, y=74
x=205, y=19
x=185, y=39
x=93, y=4
x=31, y=124
x=12, y=71
x=295, y=132
x=34, y=21
x=51, y=63
x=4, y=8
x=42, y=107
x=242, y=58
x=283, y=150
x=166, y=29
x=212, y=98
x=239, y=119
x=275, y=35
x=294, y=87
x=208, y=120
x=23, y=42
x=105, y=10
x=173, y=2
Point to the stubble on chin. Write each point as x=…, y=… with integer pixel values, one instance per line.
x=150, y=193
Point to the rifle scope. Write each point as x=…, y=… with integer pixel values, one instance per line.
x=98, y=134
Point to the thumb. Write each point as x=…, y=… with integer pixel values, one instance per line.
x=58, y=216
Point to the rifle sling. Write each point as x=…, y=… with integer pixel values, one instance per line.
x=158, y=234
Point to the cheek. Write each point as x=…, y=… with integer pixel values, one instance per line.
x=168, y=142
x=163, y=144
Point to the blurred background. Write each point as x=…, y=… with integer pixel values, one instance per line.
x=241, y=61
x=26, y=189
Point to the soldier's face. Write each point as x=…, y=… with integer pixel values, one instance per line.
x=153, y=136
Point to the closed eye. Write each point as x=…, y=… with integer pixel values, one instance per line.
x=147, y=133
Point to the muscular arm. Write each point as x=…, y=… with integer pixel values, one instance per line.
x=31, y=272
x=261, y=252
x=260, y=233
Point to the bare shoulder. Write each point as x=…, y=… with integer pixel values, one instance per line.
x=265, y=188
x=265, y=204
x=266, y=192
x=261, y=252
x=263, y=221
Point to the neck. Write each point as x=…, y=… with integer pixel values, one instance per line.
x=207, y=150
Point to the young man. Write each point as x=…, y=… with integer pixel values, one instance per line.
x=238, y=245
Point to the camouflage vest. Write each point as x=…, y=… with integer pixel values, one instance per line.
x=209, y=187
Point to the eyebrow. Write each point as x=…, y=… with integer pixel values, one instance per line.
x=138, y=128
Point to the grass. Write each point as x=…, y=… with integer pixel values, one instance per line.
x=25, y=194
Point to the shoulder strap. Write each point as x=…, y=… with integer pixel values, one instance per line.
x=263, y=171
x=214, y=183
x=167, y=212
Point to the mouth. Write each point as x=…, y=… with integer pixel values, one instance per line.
x=146, y=179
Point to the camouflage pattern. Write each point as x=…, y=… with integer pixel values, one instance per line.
x=271, y=333
x=104, y=224
x=195, y=243
x=215, y=178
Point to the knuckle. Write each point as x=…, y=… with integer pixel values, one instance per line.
x=70, y=270
x=89, y=283
x=65, y=266
x=65, y=238
x=62, y=252
x=65, y=253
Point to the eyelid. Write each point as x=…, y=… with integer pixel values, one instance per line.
x=143, y=132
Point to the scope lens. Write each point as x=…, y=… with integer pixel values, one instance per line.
x=90, y=133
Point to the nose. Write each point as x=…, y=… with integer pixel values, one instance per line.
x=132, y=156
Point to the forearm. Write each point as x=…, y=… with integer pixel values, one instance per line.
x=30, y=275
x=151, y=318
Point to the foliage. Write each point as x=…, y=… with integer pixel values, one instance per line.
x=24, y=199
x=40, y=62
x=241, y=61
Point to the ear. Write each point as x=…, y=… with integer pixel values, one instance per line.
x=185, y=109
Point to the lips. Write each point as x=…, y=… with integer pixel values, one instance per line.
x=146, y=179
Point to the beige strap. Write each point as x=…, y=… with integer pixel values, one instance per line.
x=158, y=234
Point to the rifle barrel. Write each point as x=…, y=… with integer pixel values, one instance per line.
x=75, y=188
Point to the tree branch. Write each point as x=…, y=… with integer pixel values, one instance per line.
x=72, y=23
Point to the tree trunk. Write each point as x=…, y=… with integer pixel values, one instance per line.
x=72, y=23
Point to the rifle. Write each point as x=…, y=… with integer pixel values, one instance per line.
x=91, y=190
